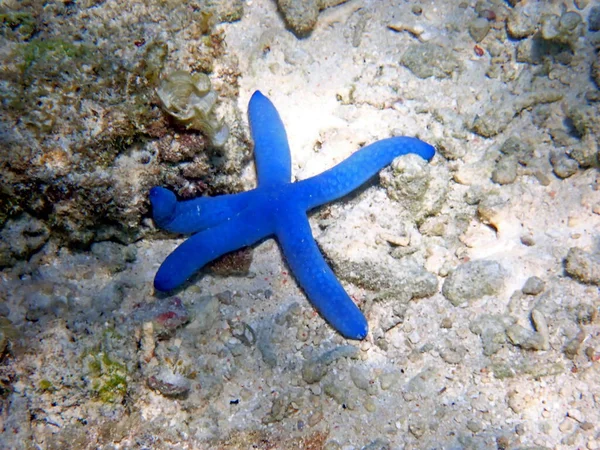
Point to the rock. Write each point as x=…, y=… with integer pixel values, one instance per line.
x=169, y=384
x=529, y=339
x=496, y=118
x=565, y=29
x=587, y=151
x=430, y=60
x=363, y=259
x=563, y=166
x=491, y=210
x=479, y=28
x=583, y=266
x=492, y=331
x=446, y=323
x=584, y=314
x=286, y=404
x=569, y=21
x=114, y=255
x=45, y=298
x=533, y=286
x=315, y=368
x=363, y=380
x=573, y=346
x=592, y=96
x=20, y=238
x=390, y=379
x=453, y=354
x=505, y=171
x=206, y=314
x=229, y=11
x=523, y=20
x=8, y=335
x=342, y=392
x=301, y=15
x=527, y=240
x=413, y=183
x=516, y=147
x=594, y=19
x=473, y=280
x=169, y=315
x=584, y=122
x=493, y=121
x=474, y=426
x=265, y=345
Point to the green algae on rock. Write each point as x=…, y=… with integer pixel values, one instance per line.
x=108, y=377
x=80, y=124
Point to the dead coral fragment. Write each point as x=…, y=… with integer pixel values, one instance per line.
x=191, y=100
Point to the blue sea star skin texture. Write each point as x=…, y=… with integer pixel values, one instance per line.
x=276, y=207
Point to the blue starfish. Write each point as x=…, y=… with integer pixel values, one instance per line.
x=276, y=207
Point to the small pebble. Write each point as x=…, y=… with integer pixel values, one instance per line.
x=587, y=426
x=147, y=343
x=567, y=425
x=527, y=240
x=446, y=323
x=520, y=25
x=583, y=266
x=563, y=166
x=453, y=355
x=169, y=384
x=474, y=426
x=533, y=286
x=315, y=418
x=569, y=21
x=488, y=14
x=505, y=172
x=479, y=28
x=387, y=380
x=516, y=147
x=369, y=405
x=225, y=297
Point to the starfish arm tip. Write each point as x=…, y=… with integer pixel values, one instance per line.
x=356, y=329
x=316, y=278
x=164, y=205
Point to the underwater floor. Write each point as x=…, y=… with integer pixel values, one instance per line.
x=478, y=272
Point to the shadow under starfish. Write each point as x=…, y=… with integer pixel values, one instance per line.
x=276, y=207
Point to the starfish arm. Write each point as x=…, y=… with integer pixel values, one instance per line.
x=205, y=246
x=191, y=216
x=316, y=278
x=271, y=148
x=357, y=169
